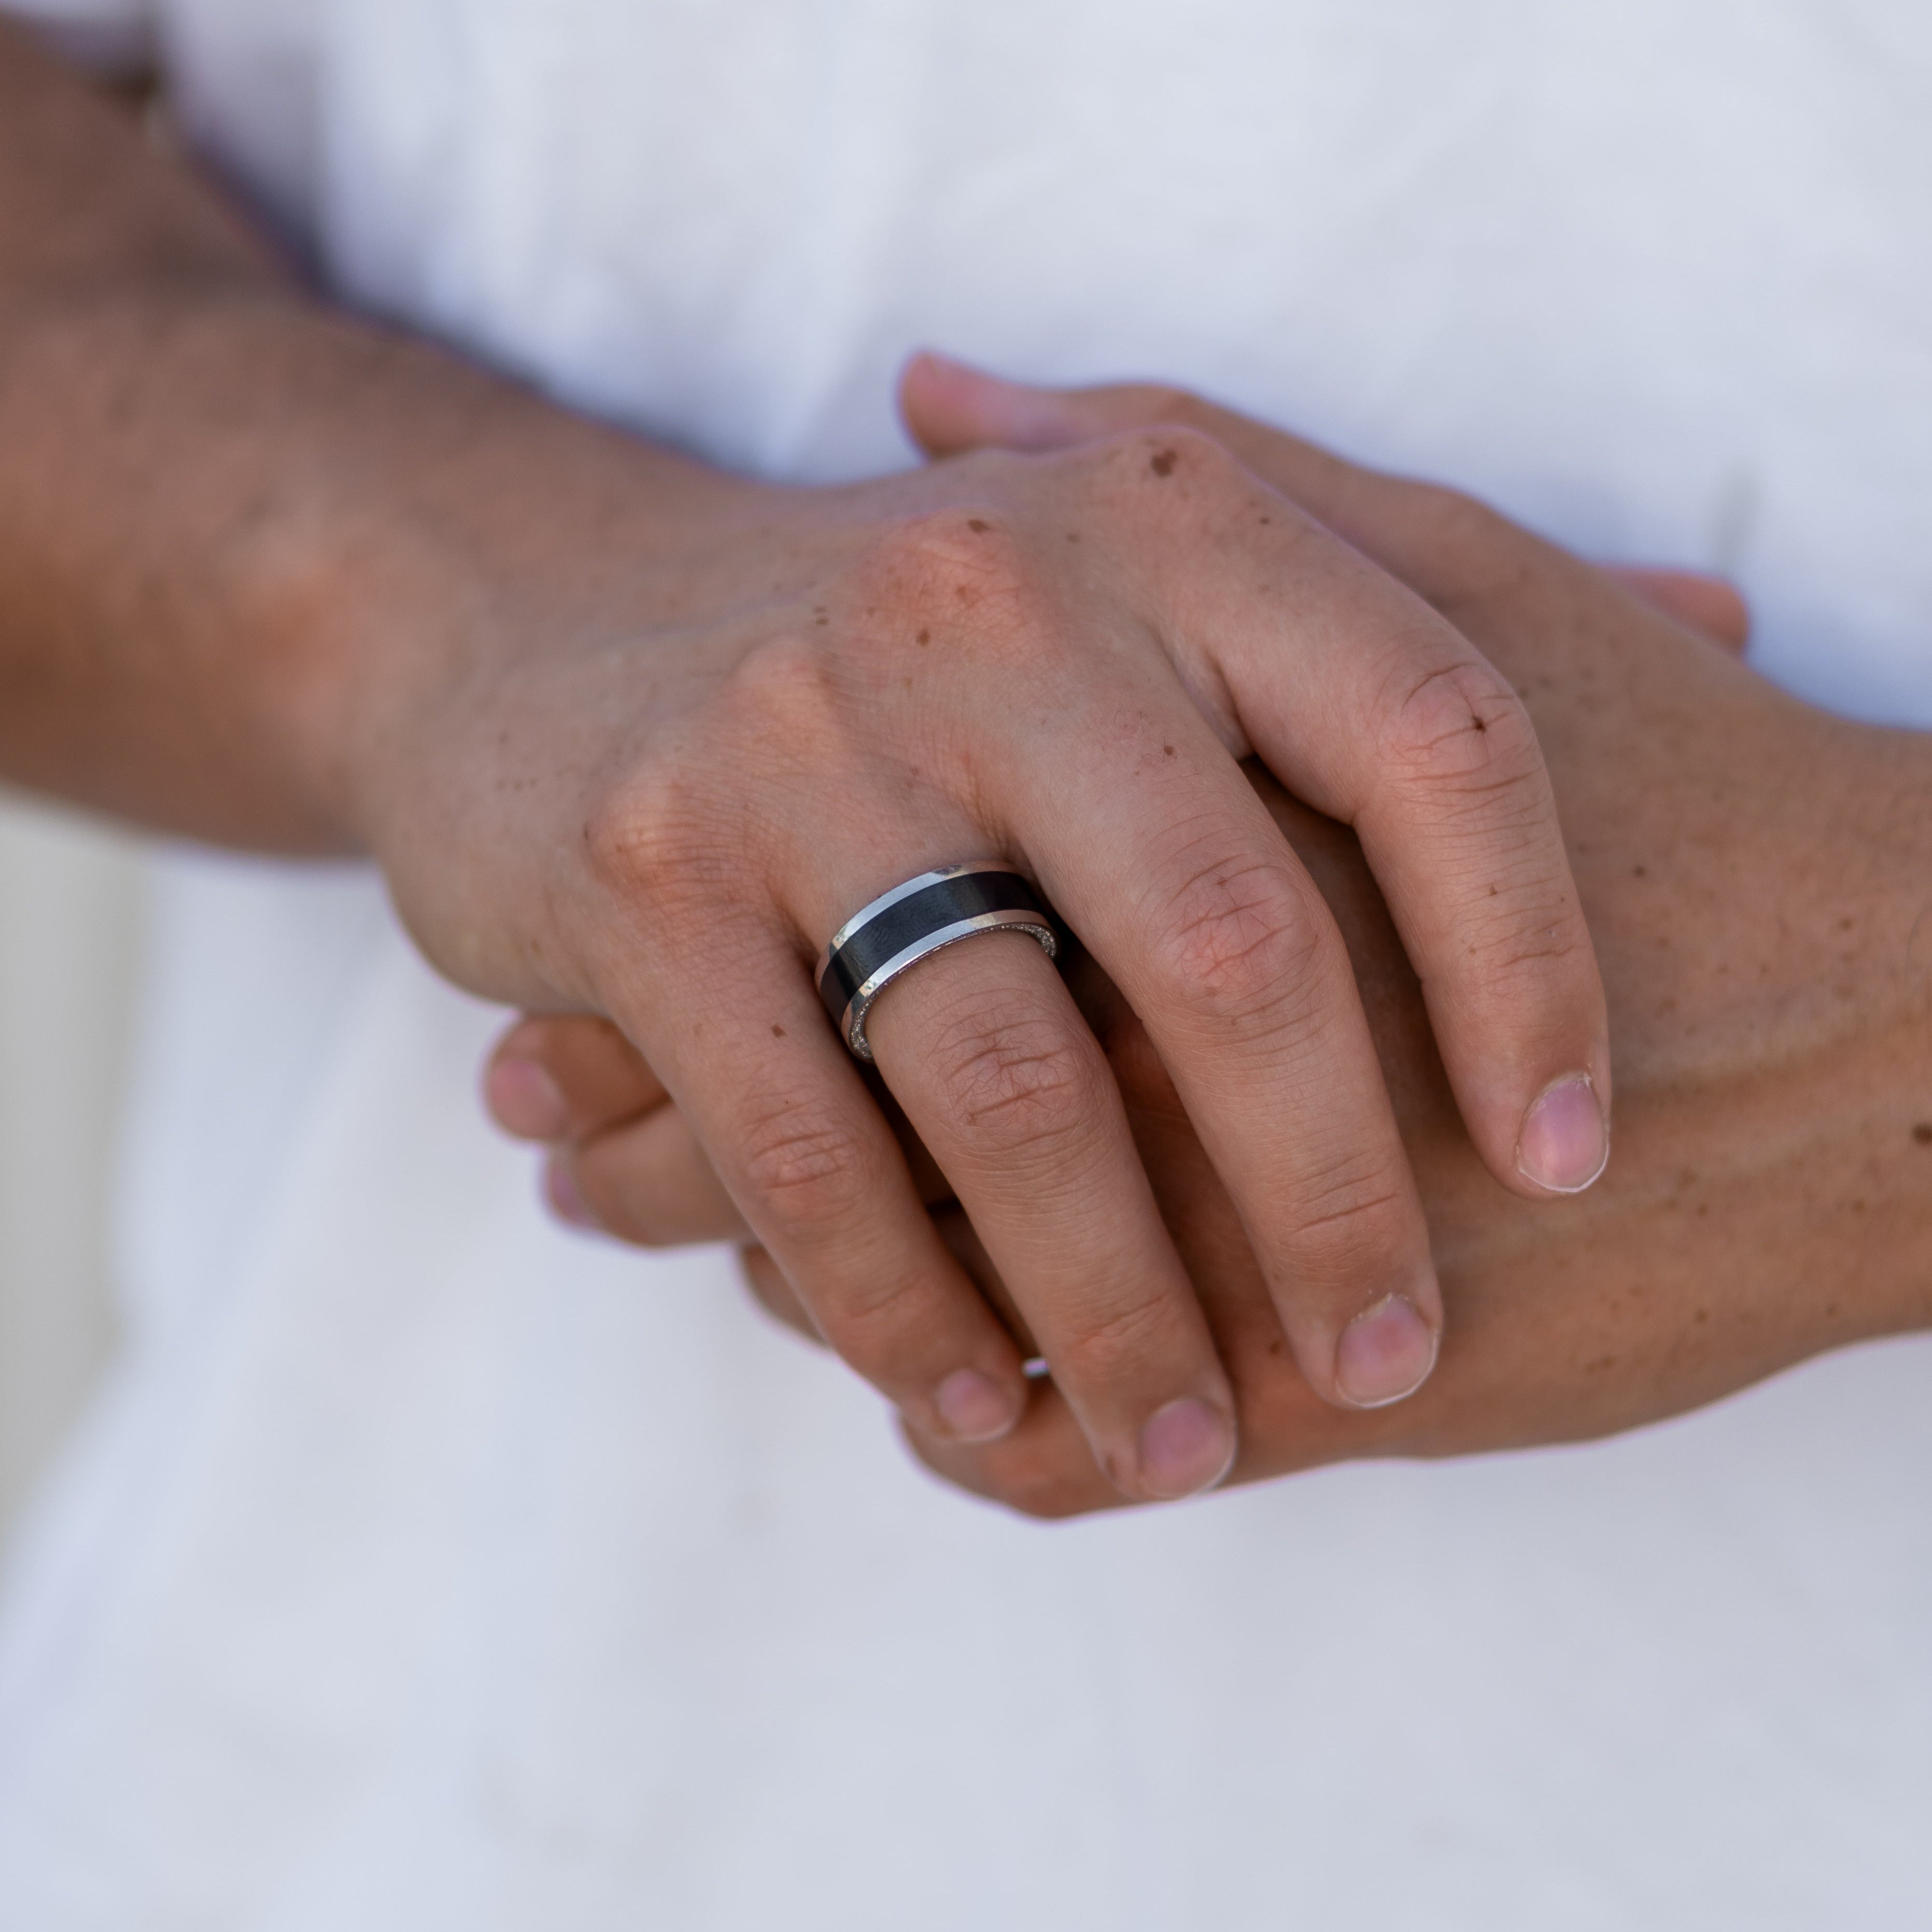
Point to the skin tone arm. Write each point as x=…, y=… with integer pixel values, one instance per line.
x=1759, y=877
x=632, y=737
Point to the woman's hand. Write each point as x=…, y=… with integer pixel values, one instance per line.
x=1755, y=873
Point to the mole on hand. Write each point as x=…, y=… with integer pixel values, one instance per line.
x=1162, y=462
x=1922, y=1133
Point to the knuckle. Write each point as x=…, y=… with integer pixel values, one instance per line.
x=1015, y=1086
x=672, y=830
x=880, y=1326
x=652, y=836
x=947, y=561
x=1192, y=447
x=1175, y=452
x=1459, y=732
x=1238, y=938
x=783, y=692
x=1523, y=954
x=810, y=1172
x=676, y=818
x=1350, y=1222
x=1101, y=1344
x=967, y=578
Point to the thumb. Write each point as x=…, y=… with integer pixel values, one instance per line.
x=949, y=407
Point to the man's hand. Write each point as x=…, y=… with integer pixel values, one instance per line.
x=1758, y=879
x=632, y=737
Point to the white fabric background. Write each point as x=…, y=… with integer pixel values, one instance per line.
x=69, y=917
x=427, y=1567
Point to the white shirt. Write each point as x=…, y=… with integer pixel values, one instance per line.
x=426, y=1566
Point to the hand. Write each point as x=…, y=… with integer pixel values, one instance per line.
x=632, y=737
x=793, y=699
x=1755, y=872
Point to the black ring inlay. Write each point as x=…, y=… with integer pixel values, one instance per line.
x=908, y=920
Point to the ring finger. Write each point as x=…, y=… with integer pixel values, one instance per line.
x=1003, y=1081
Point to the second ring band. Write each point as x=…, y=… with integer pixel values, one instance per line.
x=914, y=920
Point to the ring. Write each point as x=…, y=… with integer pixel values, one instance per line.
x=913, y=922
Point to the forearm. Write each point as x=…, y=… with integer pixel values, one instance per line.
x=237, y=528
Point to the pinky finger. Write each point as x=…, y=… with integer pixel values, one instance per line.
x=649, y=1183
x=555, y=1077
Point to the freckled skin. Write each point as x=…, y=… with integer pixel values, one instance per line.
x=336, y=655
x=1763, y=1202
x=274, y=576
x=1782, y=1103
x=1759, y=1084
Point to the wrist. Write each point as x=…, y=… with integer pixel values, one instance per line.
x=1784, y=1063
x=1887, y=955
x=451, y=538
x=465, y=613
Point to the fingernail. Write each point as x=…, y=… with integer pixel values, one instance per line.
x=973, y=1407
x=1184, y=1448
x=525, y=1101
x=1385, y=1353
x=1566, y=1140
x=560, y=1190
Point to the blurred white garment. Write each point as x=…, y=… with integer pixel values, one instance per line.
x=428, y=1567
x=70, y=900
